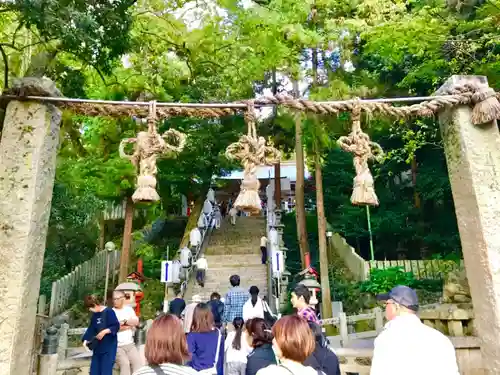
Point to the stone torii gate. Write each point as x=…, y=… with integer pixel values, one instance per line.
x=28, y=150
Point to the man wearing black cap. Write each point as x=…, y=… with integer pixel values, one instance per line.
x=406, y=345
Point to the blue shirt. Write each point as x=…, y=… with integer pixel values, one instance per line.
x=233, y=303
x=203, y=347
x=109, y=342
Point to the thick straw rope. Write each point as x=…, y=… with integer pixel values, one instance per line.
x=149, y=145
x=358, y=142
x=252, y=151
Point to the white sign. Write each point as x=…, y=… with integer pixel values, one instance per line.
x=170, y=271
x=166, y=271
x=274, y=239
x=277, y=261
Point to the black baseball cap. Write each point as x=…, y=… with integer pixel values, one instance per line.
x=402, y=295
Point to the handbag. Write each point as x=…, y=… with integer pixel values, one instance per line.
x=92, y=344
x=213, y=370
x=268, y=317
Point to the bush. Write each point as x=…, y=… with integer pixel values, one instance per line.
x=383, y=280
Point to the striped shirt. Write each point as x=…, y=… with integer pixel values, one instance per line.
x=233, y=304
x=168, y=369
x=308, y=314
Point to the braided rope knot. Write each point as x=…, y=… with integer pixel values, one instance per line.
x=486, y=107
x=252, y=151
x=148, y=146
x=363, y=149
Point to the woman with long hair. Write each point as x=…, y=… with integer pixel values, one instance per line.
x=293, y=343
x=100, y=337
x=166, y=348
x=205, y=342
x=254, y=307
x=260, y=338
x=236, y=349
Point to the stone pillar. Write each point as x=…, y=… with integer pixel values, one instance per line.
x=473, y=159
x=28, y=150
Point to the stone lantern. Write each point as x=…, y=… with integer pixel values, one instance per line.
x=312, y=284
x=132, y=290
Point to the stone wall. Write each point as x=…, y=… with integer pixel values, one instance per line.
x=456, y=287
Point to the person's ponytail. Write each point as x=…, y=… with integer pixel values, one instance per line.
x=238, y=326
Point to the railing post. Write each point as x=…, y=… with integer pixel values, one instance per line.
x=379, y=319
x=344, y=333
x=49, y=356
x=140, y=337
x=63, y=341
x=42, y=302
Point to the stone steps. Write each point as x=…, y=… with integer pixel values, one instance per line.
x=236, y=260
x=233, y=250
x=253, y=250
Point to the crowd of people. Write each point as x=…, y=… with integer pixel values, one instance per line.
x=234, y=335
x=237, y=337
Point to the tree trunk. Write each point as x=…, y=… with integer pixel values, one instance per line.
x=326, y=300
x=277, y=185
x=300, y=209
x=102, y=232
x=416, y=195
x=277, y=166
x=127, y=240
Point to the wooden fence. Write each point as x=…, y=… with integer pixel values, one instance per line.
x=346, y=325
x=84, y=276
x=435, y=269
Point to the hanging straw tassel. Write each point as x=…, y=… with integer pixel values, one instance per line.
x=149, y=144
x=360, y=145
x=487, y=107
x=252, y=151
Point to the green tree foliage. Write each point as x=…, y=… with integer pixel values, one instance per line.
x=144, y=50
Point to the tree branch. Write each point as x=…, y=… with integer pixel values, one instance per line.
x=6, y=68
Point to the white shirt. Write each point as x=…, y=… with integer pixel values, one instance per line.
x=251, y=312
x=202, y=221
x=233, y=212
x=207, y=207
x=211, y=195
x=263, y=241
x=185, y=257
x=233, y=355
x=125, y=337
x=195, y=237
x=408, y=346
x=202, y=264
x=287, y=368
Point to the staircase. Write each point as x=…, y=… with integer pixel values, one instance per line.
x=233, y=250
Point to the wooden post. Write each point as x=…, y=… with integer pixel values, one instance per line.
x=127, y=240
x=63, y=341
x=379, y=319
x=277, y=185
x=326, y=295
x=42, y=301
x=102, y=232
x=343, y=330
x=473, y=159
x=300, y=209
x=28, y=150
